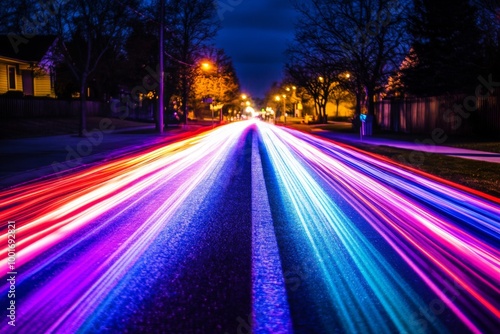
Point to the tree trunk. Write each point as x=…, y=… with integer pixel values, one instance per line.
x=317, y=109
x=185, y=95
x=325, y=116
x=370, y=97
x=358, y=104
x=356, y=124
x=83, y=107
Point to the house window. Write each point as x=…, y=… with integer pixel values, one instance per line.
x=11, y=77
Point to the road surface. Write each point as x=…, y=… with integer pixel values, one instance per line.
x=249, y=228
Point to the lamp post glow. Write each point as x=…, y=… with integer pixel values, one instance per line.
x=292, y=97
x=278, y=99
x=284, y=107
x=206, y=66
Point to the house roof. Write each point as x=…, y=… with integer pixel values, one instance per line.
x=34, y=49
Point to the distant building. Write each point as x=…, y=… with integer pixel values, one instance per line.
x=30, y=71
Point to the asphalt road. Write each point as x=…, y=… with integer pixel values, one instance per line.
x=250, y=228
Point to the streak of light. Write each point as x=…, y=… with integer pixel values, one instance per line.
x=63, y=207
x=353, y=269
x=449, y=236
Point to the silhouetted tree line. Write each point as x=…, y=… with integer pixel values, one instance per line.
x=113, y=46
x=393, y=47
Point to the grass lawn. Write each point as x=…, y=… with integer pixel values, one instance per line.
x=472, y=143
x=479, y=175
x=487, y=146
x=337, y=127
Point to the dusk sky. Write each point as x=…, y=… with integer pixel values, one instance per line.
x=255, y=34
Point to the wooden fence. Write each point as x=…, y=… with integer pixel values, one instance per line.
x=44, y=108
x=454, y=114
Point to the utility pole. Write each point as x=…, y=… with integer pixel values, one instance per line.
x=161, y=106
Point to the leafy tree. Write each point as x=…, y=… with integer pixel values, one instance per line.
x=339, y=94
x=140, y=50
x=317, y=81
x=447, y=47
x=13, y=15
x=489, y=24
x=215, y=78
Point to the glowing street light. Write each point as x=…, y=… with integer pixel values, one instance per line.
x=284, y=106
x=292, y=97
x=217, y=72
x=205, y=66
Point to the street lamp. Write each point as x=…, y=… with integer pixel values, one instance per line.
x=209, y=66
x=284, y=106
x=292, y=97
x=206, y=66
x=245, y=103
x=278, y=99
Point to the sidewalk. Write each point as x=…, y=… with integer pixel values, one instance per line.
x=31, y=158
x=445, y=150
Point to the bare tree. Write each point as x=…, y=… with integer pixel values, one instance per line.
x=90, y=30
x=489, y=24
x=16, y=16
x=315, y=71
x=338, y=95
x=192, y=24
x=366, y=36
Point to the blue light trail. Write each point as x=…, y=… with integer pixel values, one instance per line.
x=197, y=235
